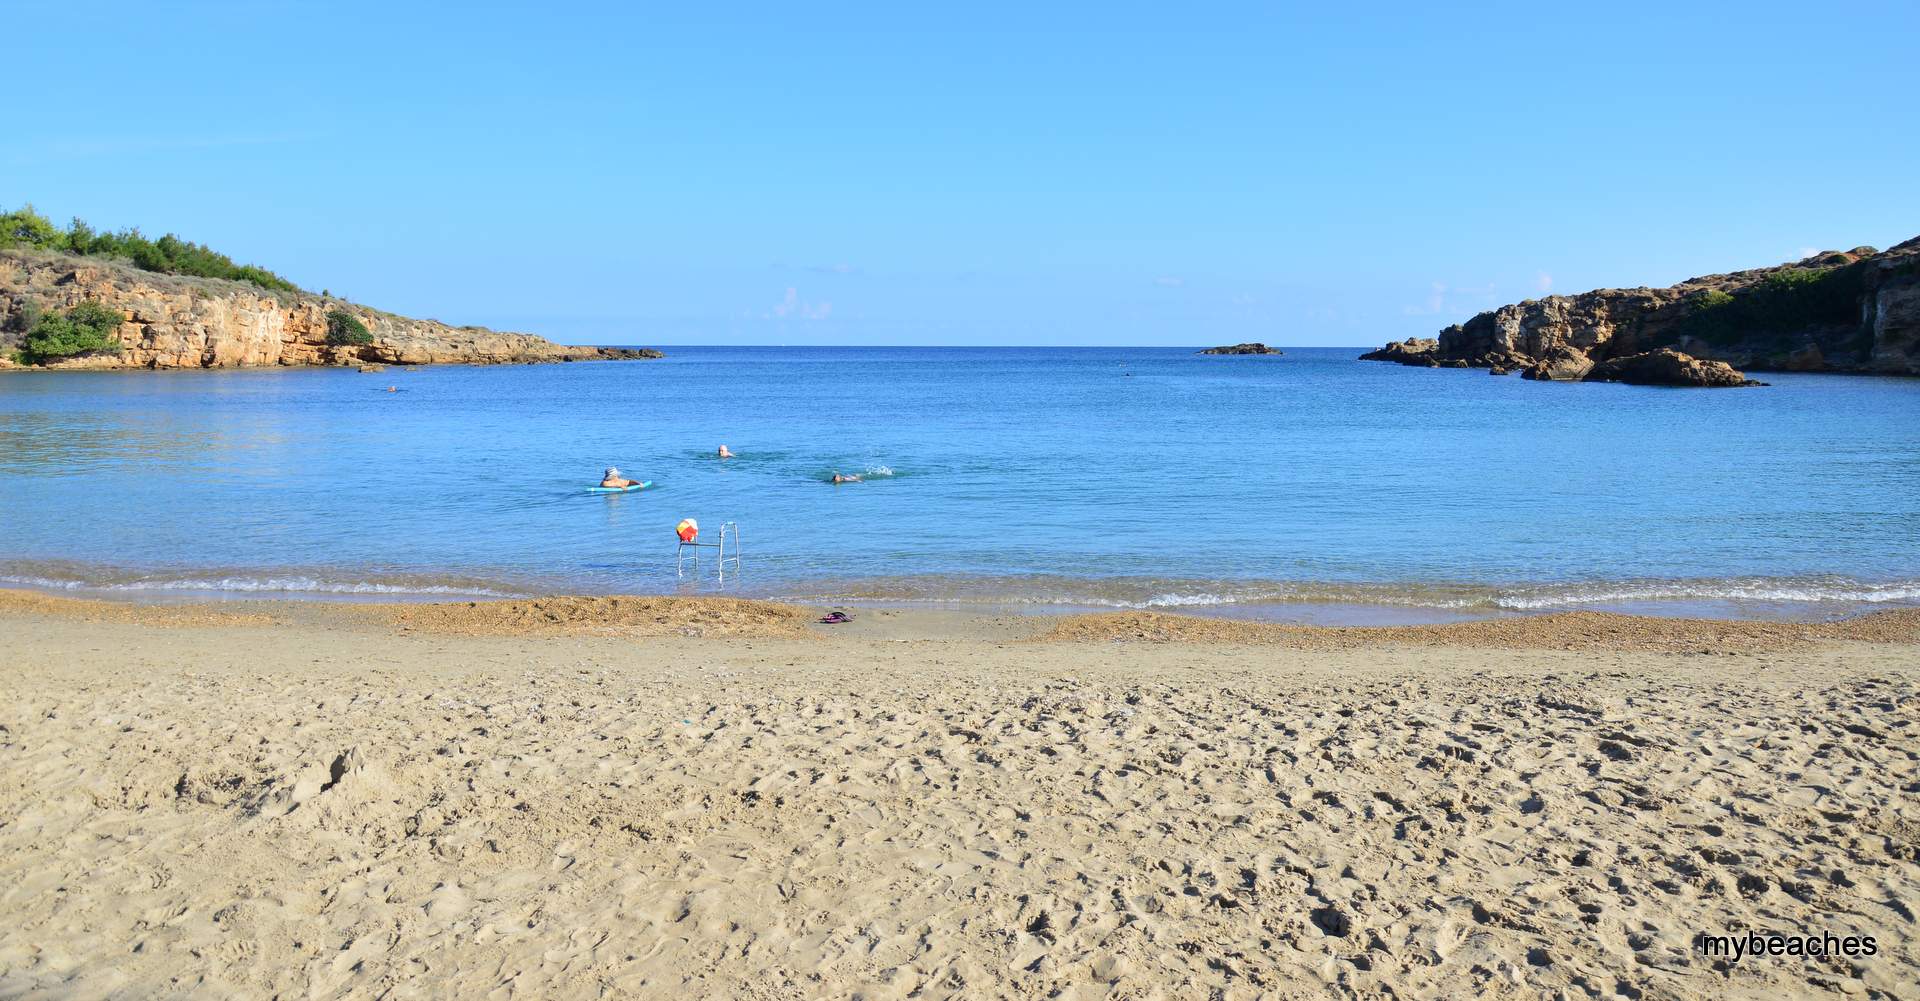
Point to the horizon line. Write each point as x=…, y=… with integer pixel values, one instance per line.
x=1113, y=347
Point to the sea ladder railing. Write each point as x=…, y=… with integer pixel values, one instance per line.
x=687, y=554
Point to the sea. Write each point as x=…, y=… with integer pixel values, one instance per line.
x=1308, y=486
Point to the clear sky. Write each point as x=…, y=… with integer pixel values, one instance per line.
x=974, y=173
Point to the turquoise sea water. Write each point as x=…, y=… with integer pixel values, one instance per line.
x=1042, y=478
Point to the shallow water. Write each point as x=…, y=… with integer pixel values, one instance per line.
x=1038, y=478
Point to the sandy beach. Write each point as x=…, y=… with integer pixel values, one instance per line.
x=592, y=798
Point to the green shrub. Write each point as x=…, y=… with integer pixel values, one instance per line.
x=343, y=328
x=1711, y=299
x=169, y=254
x=1795, y=278
x=1778, y=310
x=86, y=328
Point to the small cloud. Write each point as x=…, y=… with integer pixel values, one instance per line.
x=1543, y=282
x=788, y=304
x=1169, y=281
x=1806, y=252
x=792, y=305
x=1443, y=298
x=1435, y=303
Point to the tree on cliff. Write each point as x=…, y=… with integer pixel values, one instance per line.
x=345, y=329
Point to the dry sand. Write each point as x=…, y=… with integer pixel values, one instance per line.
x=579, y=798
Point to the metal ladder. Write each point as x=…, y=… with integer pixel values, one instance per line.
x=683, y=559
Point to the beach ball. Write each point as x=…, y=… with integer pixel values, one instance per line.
x=687, y=529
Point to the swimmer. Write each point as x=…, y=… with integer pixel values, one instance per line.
x=837, y=478
x=393, y=389
x=724, y=454
x=613, y=479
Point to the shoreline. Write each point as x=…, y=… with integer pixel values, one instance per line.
x=1797, y=597
x=1813, y=599
x=648, y=616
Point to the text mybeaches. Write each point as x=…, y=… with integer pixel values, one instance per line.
x=1742, y=946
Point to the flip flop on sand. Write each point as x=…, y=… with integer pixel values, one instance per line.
x=836, y=617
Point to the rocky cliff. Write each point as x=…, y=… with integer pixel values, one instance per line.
x=174, y=321
x=1839, y=311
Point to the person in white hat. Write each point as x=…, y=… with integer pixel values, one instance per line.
x=614, y=479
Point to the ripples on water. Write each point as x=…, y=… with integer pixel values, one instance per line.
x=1030, y=477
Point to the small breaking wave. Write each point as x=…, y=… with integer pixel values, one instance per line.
x=1817, y=590
x=269, y=584
x=1129, y=592
x=1729, y=597
x=1727, y=594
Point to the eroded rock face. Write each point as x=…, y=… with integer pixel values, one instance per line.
x=1894, y=315
x=1838, y=311
x=178, y=322
x=1559, y=363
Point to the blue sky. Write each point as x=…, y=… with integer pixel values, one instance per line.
x=974, y=174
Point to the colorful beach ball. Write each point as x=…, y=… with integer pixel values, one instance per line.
x=687, y=529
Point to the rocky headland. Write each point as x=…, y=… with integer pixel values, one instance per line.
x=177, y=321
x=1251, y=348
x=1853, y=311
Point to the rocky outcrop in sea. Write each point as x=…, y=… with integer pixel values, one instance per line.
x=175, y=321
x=1840, y=311
x=1666, y=367
x=1251, y=348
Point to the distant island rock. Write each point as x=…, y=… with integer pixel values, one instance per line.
x=1853, y=311
x=1254, y=348
x=179, y=321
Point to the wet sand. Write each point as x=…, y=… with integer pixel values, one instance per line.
x=647, y=797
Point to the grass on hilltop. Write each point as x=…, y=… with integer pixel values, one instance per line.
x=167, y=255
